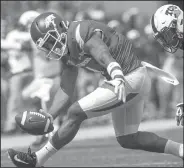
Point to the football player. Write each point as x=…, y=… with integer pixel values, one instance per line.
x=167, y=26
x=94, y=46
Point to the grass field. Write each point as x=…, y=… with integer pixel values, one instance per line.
x=107, y=152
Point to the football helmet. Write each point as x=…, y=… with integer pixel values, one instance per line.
x=49, y=33
x=164, y=26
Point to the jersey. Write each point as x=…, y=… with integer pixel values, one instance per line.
x=120, y=47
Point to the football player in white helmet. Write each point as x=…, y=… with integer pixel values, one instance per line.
x=167, y=26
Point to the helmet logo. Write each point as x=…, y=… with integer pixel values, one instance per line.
x=49, y=20
x=177, y=13
x=173, y=10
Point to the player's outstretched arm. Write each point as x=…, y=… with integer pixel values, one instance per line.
x=100, y=52
x=63, y=97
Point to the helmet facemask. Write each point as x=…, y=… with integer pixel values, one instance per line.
x=54, y=44
x=168, y=38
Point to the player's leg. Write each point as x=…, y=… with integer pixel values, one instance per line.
x=129, y=137
x=126, y=121
x=99, y=102
x=92, y=105
x=126, y=124
x=95, y=104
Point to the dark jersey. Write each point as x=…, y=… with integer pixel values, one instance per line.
x=120, y=47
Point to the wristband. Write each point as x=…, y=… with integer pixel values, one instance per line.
x=115, y=71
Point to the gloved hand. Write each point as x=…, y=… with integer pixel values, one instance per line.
x=179, y=114
x=119, y=88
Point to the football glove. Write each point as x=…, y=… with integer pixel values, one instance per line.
x=115, y=72
x=119, y=88
x=179, y=114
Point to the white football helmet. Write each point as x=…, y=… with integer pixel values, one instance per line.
x=164, y=26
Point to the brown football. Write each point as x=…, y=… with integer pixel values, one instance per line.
x=34, y=123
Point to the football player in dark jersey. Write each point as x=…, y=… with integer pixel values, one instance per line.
x=94, y=46
x=167, y=26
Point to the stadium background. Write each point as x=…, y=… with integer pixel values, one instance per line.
x=11, y=11
x=130, y=18
x=134, y=26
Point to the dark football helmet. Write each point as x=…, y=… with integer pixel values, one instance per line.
x=49, y=33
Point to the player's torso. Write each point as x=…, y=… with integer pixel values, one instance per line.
x=120, y=48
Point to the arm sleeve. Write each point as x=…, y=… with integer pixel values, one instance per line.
x=84, y=31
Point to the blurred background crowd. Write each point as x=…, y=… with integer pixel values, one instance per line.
x=29, y=80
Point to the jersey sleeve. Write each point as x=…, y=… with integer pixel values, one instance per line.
x=84, y=31
x=81, y=33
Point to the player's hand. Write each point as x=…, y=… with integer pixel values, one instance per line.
x=49, y=115
x=179, y=114
x=119, y=88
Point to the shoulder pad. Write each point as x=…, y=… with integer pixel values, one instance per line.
x=82, y=32
x=78, y=37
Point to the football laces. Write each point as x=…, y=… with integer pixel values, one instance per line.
x=38, y=114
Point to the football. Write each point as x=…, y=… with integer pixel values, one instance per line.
x=34, y=123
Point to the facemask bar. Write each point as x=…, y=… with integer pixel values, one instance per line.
x=59, y=52
x=165, y=41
